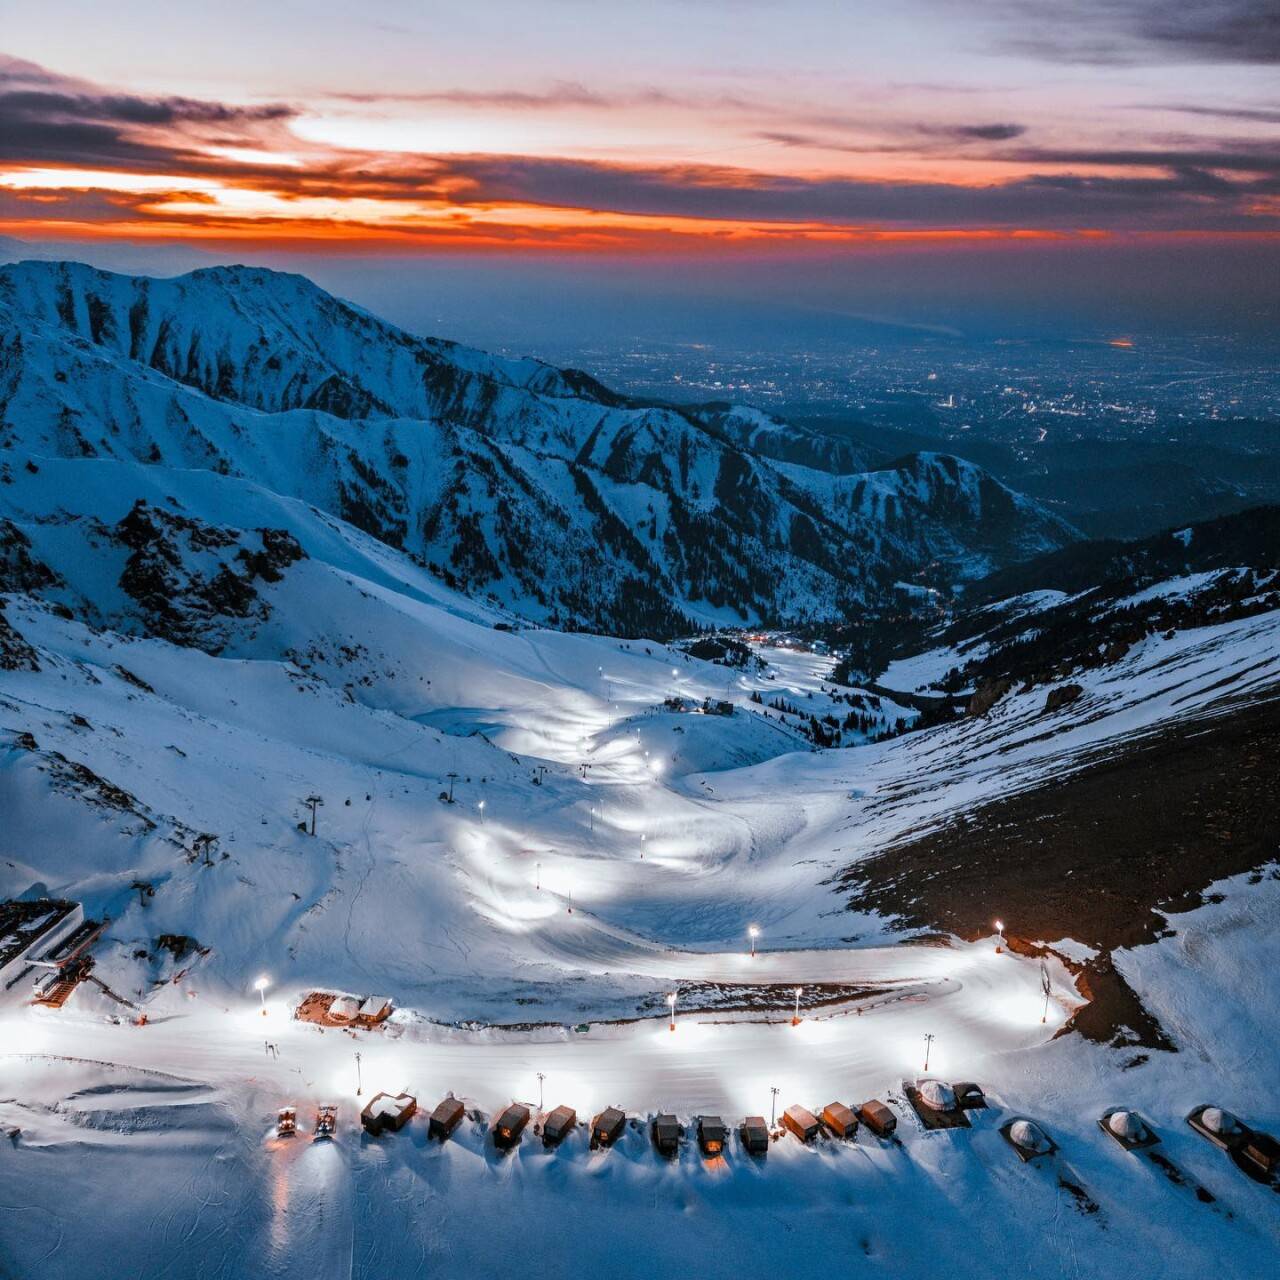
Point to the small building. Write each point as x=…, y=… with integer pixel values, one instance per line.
x=344, y=1008
x=969, y=1096
x=840, y=1120
x=287, y=1122
x=374, y=1009
x=666, y=1134
x=510, y=1125
x=558, y=1125
x=1262, y=1152
x=755, y=1136
x=388, y=1112
x=878, y=1118
x=445, y=1118
x=30, y=931
x=607, y=1127
x=712, y=1135
x=802, y=1122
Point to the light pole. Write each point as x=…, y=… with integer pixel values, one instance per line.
x=480, y=806
x=1046, y=987
x=260, y=986
x=928, y=1044
x=541, y=1078
x=537, y=876
x=999, y=936
x=795, y=1020
x=754, y=931
x=773, y=1106
x=643, y=837
x=359, y=1082
x=671, y=1004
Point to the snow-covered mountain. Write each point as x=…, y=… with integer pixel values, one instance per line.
x=535, y=487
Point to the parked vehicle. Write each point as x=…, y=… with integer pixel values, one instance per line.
x=326, y=1121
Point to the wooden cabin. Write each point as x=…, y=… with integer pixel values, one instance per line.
x=388, y=1112
x=326, y=1121
x=802, y=1122
x=755, y=1136
x=712, y=1135
x=1261, y=1151
x=878, y=1118
x=445, y=1119
x=840, y=1120
x=666, y=1134
x=287, y=1122
x=510, y=1125
x=558, y=1125
x=607, y=1127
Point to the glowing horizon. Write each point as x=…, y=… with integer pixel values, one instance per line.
x=689, y=128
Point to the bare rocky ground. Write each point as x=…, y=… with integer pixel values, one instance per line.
x=1100, y=854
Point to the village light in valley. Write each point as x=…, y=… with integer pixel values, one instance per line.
x=795, y=1020
x=260, y=986
x=671, y=1004
x=754, y=932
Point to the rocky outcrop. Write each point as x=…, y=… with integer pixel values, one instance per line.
x=1063, y=696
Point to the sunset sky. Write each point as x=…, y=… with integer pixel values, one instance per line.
x=581, y=126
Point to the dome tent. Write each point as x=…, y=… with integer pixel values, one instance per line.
x=1029, y=1136
x=938, y=1095
x=1127, y=1125
x=1223, y=1123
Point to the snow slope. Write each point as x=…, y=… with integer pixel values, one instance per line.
x=534, y=486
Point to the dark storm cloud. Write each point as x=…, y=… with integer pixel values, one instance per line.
x=1250, y=115
x=1178, y=197
x=910, y=138
x=1121, y=32
x=978, y=132
x=1242, y=157
x=47, y=119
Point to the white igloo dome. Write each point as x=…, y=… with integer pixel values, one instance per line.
x=939, y=1096
x=1126, y=1125
x=1028, y=1136
x=1218, y=1121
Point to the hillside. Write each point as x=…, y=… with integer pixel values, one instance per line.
x=532, y=487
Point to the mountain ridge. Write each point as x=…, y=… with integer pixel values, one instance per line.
x=536, y=488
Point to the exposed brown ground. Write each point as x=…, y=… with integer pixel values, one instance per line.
x=1097, y=855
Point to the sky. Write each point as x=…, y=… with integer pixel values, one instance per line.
x=578, y=141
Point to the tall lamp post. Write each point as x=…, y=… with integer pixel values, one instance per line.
x=773, y=1106
x=480, y=806
x=260, y=986
x=671, y=1005
x=359, y=1081
x=928, y=1044
x=795, y=1019
x=541, y=1078
x=754, y=931
x=999, y=936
